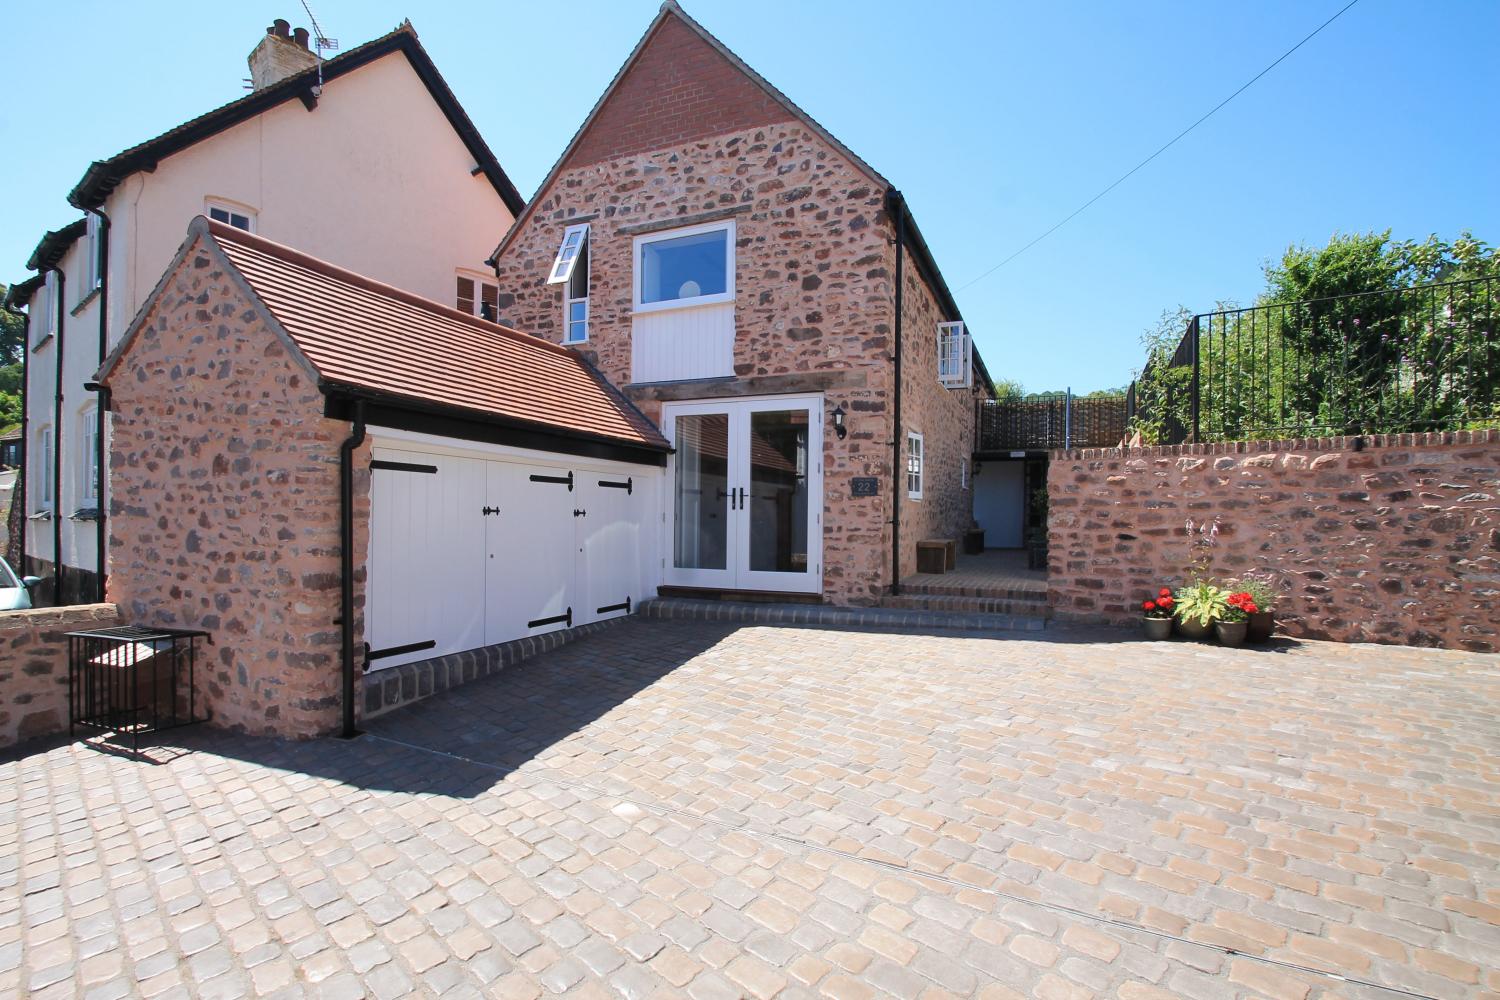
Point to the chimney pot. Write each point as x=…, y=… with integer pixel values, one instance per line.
x=279, y=55
x=299, y=35
x=280, y=27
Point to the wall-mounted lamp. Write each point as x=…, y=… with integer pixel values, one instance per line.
x=838, y=422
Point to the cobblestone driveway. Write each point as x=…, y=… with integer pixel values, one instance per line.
x=674, y=808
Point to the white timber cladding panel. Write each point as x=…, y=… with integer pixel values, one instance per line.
x=688, y=343
x=442, y=570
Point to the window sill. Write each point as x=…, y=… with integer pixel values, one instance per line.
x=652, y=308
x=41, y=343
x=84, y=302
x=41, y=515
x=85, y=514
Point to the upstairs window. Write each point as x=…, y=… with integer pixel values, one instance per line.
x=44, y=473
x=914, y=465
x=574, y=246
x=955, y=356
x=89, y=460
x=685, y=267
x=43, y=310
x=93, y=274
x=477, y=297
x=232, y=215
x=576, y=303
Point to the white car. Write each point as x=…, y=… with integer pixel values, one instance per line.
x=15, y=592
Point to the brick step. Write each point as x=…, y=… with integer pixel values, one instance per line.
x=823, y=614
x=1028, y=591
x=1031, y=605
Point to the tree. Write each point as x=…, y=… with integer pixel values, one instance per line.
x=12, y=344
x=1008, y=390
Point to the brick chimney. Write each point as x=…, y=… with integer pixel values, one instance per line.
x=279, y=55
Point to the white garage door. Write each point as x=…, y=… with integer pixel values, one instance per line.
x=466, y=552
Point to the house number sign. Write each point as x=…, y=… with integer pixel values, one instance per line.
x=864, y=486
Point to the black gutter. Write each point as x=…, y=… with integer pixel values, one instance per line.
x=19, y=495
x=102, y=407
x=57, y=450
x=346, y=564
x=898, y=468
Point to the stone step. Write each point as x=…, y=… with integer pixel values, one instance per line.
x=1032, y=605
x=827, y=615
x=1018, y=591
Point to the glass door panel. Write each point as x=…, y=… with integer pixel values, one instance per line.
x=777, y=504
x=700, y=492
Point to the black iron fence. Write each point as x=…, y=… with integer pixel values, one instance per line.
x=1048, y=422
x=1382, y=362
x=131, y=681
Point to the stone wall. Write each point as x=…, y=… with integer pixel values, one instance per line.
x=814, y=294
x=1377, y=539
x=225, y=502
x=34, y=667
x=945, y=419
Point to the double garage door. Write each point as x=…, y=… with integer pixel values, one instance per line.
x=469, y=551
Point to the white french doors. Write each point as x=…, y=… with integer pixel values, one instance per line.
x=745, y=508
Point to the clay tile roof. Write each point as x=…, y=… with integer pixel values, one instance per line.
x=362, y=334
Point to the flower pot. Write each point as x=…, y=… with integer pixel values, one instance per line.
x=1262, y=624
x=1157, y=628
x=1231, y=633
x=1191, y=628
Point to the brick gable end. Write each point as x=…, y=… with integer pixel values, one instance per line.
x=679, y=89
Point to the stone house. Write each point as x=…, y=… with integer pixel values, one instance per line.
x=713, y=249
x=302, y=159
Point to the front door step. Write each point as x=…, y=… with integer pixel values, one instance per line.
x=1023, y=605
x=803, y=614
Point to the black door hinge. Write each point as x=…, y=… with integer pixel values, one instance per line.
x=487, y=511
x=580, y=513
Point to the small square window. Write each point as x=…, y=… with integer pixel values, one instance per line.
x=914, y=466
x=685, y=267
x=476, y=297
x=239, y=218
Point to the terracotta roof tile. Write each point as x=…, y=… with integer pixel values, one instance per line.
x=361, y=333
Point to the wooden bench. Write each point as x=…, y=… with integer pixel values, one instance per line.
x=936, y=555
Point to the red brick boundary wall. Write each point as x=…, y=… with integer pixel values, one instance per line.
x=1392, y=538
x=34, y=667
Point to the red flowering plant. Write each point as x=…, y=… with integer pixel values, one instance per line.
x=1241, y=607
x=1161, y=605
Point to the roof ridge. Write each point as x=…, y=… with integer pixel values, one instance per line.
x=291, y=255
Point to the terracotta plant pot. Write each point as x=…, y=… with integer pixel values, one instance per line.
x=1191, y=629
x=1262, y=624
x=1231, y=633
x=1157, y=628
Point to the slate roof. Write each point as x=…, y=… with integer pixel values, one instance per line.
x=356, y=333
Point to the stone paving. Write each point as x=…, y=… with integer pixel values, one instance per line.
x=676, y=808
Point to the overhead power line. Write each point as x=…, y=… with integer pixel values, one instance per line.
x=1165, y=146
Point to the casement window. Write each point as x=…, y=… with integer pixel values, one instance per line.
x=232, y=215
x=685, y=267
x=955, y=356
x=89, y=460
x=914, y=458
x=570, y=268
x=43, y=311
x=93, y=275
x=963, y=473
x=476, y=297
x=43, y=472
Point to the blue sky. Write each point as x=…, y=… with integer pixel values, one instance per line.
x=995, y=119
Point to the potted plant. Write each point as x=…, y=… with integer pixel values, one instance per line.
x=1263, y=593
x=1234, y=622
x=1158, y=620
x=1198, y=606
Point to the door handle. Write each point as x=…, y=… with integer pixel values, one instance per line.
x=742, y=497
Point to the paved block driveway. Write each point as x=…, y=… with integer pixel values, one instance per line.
x=673, y=808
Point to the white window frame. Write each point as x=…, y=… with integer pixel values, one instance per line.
x=955, y=355
x=92, y=275
x=568, y=305
x=45, y=453
x=638, y=272
x=48, y=306
x=963, y=473
x=230, y=209
x=88, y=488
x=480, y=282
x=916, y=465
x=567, y=255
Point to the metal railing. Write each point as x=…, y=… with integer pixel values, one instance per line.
x=1381, y=362
x=1047, y=422
x=131, y=681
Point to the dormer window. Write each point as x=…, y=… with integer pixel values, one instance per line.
x=477, y=297
x=232, y=215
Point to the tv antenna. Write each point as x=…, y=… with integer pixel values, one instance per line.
x=321, y=42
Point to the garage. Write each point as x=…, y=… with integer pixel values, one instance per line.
x=473, y=546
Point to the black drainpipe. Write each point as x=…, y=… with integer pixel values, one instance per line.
x=18, y=494
x=57, y=451
x=346, y=562
x=897, y=207
x=100, y=452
